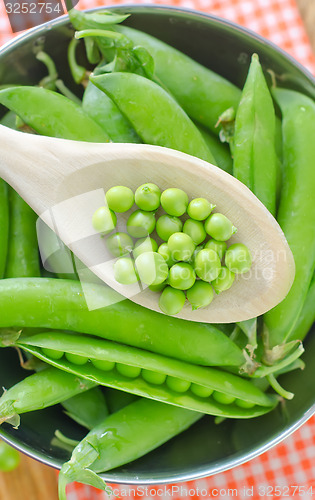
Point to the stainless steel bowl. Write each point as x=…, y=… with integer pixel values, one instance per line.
x=206, y=448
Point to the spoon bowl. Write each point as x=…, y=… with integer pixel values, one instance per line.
x=65, y=182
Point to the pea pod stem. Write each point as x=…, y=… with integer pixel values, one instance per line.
x=60, y=304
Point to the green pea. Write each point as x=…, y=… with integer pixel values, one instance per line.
x=141, y=223
x=196, y=230
x=200, y=294
x=207, y=264
x=166, y=225
x=144, y=245
x=177, y=384
x=224, y=281
x=124, y=271
x=104, y=220
x=119, y=244
x=152, y=268
x=103, y=364
x=128, y=371
x=238, y=258
x=120, y=198
x=171, y=300
x=244, y=404
x=158, y=288
x=199, y=208
x=52, y=353
x=166, y=254
x=219, y=227
x=181, y=246
x=225, y=399
x=76, y=359
x=182, y=276
x=174, y=201
x=218, y=246
x=152, y=377
x=9, y=457
x=147, y=197
x=201, y=390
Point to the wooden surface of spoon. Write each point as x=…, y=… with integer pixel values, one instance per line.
x=65, y=182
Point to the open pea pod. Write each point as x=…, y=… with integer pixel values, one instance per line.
x=154, y=376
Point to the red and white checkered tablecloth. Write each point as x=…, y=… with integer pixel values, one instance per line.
x=288, y=470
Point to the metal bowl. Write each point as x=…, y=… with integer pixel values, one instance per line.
x=205, y=448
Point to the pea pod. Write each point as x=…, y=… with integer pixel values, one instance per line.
x=87, y=408
x=112, y=443
x=105, y=112
x=296, y=212
x=23, y=258
x=307, y=316
x=110, y=363
x=4, y=225
x=219, y=150
x=138, y=98
x=60, y=304
x=40, y=390
x=116, y=400
x=42, y=110
x=254, y=156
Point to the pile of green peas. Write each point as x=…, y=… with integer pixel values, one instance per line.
x=186, y=260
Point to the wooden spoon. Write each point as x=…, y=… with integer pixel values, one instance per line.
x=64, y=182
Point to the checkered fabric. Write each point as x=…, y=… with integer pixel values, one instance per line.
x=288, y=470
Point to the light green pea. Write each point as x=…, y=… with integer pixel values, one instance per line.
x=120, y=198
x=103, y=364
x=166, y=225
x=177, y=384
x=219, y=227
x=144, y=245
x=207, y=264
x=152, y=377
x=171, y=300
x=166, y=254
x=152, y=268
x=76, y=359
x=174, y=201
x=238, y=258
x=140, y=223
x=244, y=404
x=224, y=281
x=119, y=244
x=199, y=208
x=225, y=399
x=158, y=288
x=218, y=246
x=195, y=229
x=52, y=353
x=147, y=197
x=124, y=271
x=104, y=220
x=200, y=390
x=128, y=371
x=181, y=246
x=200, y=294
x=182, y=276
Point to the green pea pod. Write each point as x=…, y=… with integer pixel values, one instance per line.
x=296, y=212
x=116, y=400
x=86, y=348
x=254, y=156
x=203, y=94
x=122, y=437
x=23, y=258
x=87, y=408
x=105, y=112
x=52, y=114
x=4, y=225
x=219, y=150
x=139, y=99
x=307, y=316
x=60, y=304
x=40, y=390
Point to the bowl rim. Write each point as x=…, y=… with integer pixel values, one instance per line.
x=238, y=458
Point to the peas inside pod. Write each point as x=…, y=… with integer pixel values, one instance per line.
x=175, y=246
